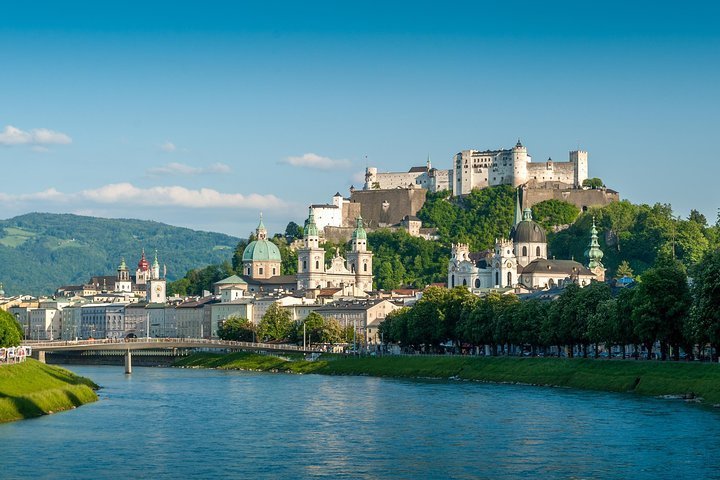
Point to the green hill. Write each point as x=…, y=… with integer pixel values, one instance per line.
x=42, y=251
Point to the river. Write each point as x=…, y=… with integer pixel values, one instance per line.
x=178, y=423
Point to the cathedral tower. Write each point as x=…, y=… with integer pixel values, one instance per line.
x=311, y=258
x=360, y=259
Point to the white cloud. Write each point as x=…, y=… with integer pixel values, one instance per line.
x=40, y=136
x=312, y=160
x=168, y=147
x=358, y=178
x=126, y=194
x=175, y=168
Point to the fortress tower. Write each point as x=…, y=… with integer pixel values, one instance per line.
x=579, y=159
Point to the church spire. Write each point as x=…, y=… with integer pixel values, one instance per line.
x=593, y=252
x=261, y=231
x=518, y=210
x=311, y=229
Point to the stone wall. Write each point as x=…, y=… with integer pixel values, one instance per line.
x=581, y=198
x=388, y=207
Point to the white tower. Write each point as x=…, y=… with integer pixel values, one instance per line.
x=123, y=284
x=311, y=258
x=504, y=264
x=360, y=259
x=579, y=159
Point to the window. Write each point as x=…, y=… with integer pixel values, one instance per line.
x=509, y=284
x=274, y=271
x=317, y=264
x=477, y=283
x=537, y=251
x=464, y=282
x=304, y=264
x=260, y=270
x=365, y=267
x=524, y=252
x=452, y=281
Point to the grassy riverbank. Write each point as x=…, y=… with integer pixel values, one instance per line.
x=641, y=377
x=31, y=389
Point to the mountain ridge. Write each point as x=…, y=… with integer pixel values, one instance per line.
x=42, y=251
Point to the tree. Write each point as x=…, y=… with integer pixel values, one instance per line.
x=698, y=218
x=11, y=333
x=705, y=318
x=550, y=213
x=660, y=306
x=624, y=270
x=318, y=329
x=237, y=329
x=293, y=231
x=603, y=325
x=592, y=182
x=625, y=326
x=275, y=324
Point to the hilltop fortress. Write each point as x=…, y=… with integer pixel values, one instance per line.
x=473, y=169
x=485, y=168
x=392, y=199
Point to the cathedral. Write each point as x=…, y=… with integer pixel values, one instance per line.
x=354, y=272
x=521, y=261
x=261, y=262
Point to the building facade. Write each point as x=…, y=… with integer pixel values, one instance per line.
x=518, y=261
x=355, y=272
x=487, y=168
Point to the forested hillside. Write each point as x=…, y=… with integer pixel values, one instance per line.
x=631, y=237
x=41, y=251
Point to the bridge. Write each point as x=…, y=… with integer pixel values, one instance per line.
x=39, y=348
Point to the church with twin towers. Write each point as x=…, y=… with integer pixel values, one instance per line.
x=353, y=273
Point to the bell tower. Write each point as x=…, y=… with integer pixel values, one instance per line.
x=123, y=284
x=360, y=259
x=505, y=268
x=311, y=258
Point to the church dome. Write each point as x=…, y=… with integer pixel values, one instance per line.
x=261, y=251
x=528, y=231
x=143, y=264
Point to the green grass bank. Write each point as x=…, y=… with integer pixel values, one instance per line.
x=641, y=377
x=31, y=389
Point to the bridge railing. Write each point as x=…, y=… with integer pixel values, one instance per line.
x=192, y=342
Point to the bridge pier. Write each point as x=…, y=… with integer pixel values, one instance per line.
x=128, y=362
x=39, y=355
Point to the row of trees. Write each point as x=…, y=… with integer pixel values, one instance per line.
x=661, y=309
x=277, y=325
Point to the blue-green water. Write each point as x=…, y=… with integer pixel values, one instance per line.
x=173, y=423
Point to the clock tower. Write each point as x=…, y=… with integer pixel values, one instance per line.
x=156, y=290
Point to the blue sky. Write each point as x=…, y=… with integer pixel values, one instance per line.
x=205, y=117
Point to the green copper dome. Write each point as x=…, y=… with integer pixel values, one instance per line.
x=310, y=227
x=261, y=251
x=359, y=233
x=593, y=252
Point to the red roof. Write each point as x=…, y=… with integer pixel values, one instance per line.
x=143, y=264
